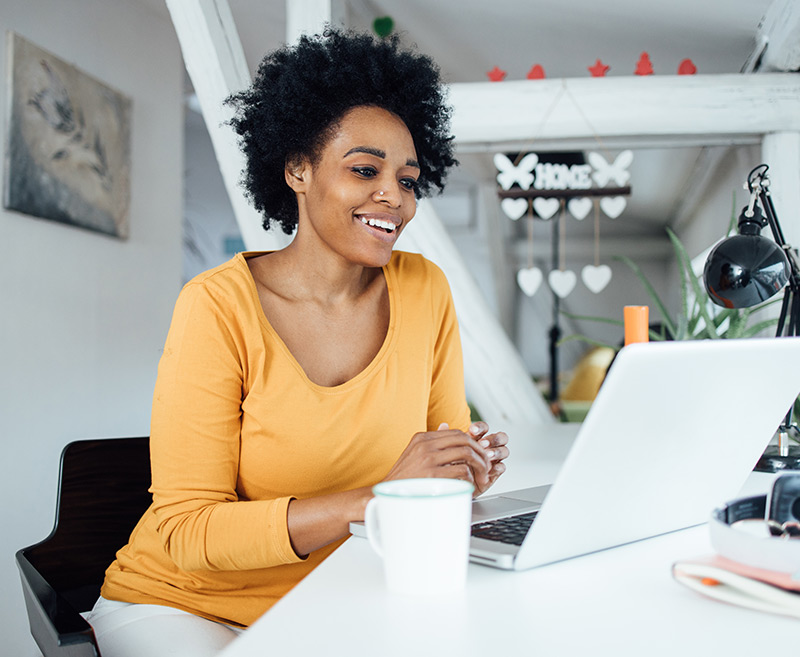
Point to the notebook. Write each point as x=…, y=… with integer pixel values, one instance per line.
x=674, y=431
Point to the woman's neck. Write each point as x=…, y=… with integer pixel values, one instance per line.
x=305, y=274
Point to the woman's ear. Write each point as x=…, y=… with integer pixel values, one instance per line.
x=297, y=172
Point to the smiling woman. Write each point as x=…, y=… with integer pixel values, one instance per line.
x=293, y=381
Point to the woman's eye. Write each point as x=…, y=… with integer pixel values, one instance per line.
x=410, y=184
x=366, y=172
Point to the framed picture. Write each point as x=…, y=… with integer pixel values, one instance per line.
x=67, y=143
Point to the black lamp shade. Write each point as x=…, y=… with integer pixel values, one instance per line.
x=744, y=270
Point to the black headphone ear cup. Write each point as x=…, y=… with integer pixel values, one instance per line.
x=784, y=503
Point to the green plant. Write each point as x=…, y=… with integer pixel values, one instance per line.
x=698, y=318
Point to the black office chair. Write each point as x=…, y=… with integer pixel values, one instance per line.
x=102, y=493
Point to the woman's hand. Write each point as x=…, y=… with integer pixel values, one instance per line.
x=474, y=456
x=448, y=453
x=494, y=445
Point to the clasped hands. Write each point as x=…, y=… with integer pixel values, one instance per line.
x=475, y=456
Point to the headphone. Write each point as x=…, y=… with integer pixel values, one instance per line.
x=777, y=548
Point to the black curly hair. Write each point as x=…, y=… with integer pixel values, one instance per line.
x=301, y=92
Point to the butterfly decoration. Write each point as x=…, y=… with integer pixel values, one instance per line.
x=605, y=172
x=510, y=173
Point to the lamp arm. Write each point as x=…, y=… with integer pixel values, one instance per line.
x=777, y=234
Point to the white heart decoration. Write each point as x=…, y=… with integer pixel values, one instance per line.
x=562, y=282
x=613, y=206
x=596, y=278
x=579, y=207
x=546, y=207
x=514, y=207
x=529, y=280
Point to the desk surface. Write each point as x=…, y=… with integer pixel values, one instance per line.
x=621, y=601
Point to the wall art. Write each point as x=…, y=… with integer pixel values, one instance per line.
x=67, y=143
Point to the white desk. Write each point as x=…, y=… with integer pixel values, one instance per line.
x=621, y=601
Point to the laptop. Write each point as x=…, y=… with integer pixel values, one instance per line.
x=675, y=430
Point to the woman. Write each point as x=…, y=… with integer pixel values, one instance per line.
x=293, y=381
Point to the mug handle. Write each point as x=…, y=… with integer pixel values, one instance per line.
x=372, y=526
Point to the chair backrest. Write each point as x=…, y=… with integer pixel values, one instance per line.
x=102, y=494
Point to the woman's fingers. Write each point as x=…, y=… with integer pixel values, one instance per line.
x=444, y=453
x=495, y=446
x=447, y=447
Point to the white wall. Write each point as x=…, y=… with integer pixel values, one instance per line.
x=83, y=317
x=713, y=212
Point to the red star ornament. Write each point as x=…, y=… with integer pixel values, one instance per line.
x=599, y=69
x=644, y=66
x=536, y=72
x=687, y=67
x=496, y=74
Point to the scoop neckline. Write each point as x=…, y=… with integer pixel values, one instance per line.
x=372, y=366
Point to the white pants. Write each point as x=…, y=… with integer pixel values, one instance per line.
x=134, y=630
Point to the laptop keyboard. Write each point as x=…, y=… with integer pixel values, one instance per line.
x=510, y=530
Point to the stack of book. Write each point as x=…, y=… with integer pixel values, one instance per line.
x=739, y=584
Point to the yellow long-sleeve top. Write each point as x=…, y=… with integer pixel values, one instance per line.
x=238, y=430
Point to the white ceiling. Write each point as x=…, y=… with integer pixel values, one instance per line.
x=469, y=37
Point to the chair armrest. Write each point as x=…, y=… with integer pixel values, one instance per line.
x=55, y=625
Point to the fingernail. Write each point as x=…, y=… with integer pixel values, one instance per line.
x=490, y=454
x=483, y=443
x=475, y=429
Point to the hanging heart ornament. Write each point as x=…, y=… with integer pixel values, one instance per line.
x=579, y=207
x=514, y=207
x=546, y=207
x=596, y=277
x=529, y=280
x=613, y=206
x=562, y=282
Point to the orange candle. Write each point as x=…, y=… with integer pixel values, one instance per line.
x=637, y=324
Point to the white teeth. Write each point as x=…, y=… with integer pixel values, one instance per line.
x=377, y=223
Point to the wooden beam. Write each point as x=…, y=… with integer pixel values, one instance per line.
x=778, y=38
x=214, y=59
x=311, y=16
x=497, y=380
x=667, y=110
x=781, y=151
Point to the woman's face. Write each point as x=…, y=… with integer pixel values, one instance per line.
x=359, y=195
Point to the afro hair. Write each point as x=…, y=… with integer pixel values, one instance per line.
x=301, y=92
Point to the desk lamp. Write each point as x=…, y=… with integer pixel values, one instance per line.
x=745, y=269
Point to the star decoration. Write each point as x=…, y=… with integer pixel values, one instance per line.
x=496, y=74
x=644, y=66
x=536, y=72
x=687, y=67
x=599, y=69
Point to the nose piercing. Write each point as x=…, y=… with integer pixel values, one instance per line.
x=381, y=193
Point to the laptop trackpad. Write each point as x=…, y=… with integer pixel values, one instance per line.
x=498, y=507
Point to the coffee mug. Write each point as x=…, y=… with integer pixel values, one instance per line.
x=421, y=529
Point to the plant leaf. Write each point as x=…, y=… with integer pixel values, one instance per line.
x=699, y=292
x=755, y=329
x=590, y=318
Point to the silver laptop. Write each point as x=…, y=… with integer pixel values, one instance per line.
x=675, y=430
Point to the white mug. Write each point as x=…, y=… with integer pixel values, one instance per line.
x=421, y=529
